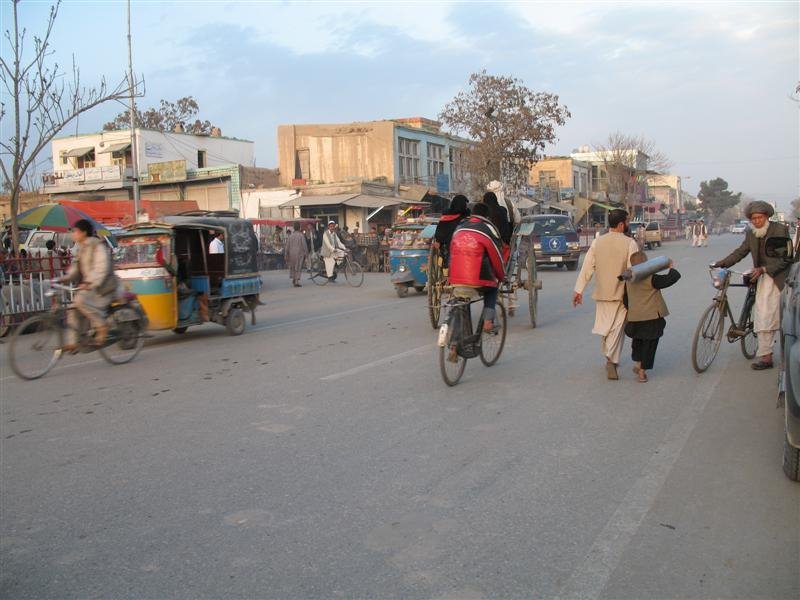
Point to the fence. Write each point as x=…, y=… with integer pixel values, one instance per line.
x=24, y=287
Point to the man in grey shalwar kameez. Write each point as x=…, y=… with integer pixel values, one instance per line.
x=295, y=253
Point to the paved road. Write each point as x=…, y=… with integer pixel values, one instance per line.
x=320, y=455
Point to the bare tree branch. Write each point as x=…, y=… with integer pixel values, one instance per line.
x=45, y=102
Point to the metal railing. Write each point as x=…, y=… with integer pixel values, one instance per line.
x=24, y=286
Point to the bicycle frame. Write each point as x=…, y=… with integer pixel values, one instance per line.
x=722, y=300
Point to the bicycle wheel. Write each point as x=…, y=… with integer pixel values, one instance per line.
x=353, y=273
x=434, y=289
x=451, y=364
x=533, y=291
x=316, y=271
x=35, y=346
x=749, y=342
x=707, y=338
x=125, y=338
x=492, y=343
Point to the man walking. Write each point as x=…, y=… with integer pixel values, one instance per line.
x=295, y=252
x=769, y=272
x=608, y=256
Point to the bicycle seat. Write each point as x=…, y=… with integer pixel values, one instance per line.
x=465, y=293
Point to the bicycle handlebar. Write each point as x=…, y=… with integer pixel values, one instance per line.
x=60, y=286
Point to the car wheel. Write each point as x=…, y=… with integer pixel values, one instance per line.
x=791, y=460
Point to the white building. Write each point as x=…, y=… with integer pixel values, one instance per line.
x=103, y=161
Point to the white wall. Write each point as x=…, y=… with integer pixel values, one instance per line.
x=253, y=201
x=156, y=146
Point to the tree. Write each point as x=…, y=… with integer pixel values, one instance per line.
x=796, y=208
x=45, y=100
x=165, y=118
x=624, y=166
x=508, y=126
x=716, y=198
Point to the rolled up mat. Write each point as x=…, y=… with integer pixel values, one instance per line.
x=645, y=269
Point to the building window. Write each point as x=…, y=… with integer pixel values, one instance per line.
x=121, y=157
x=64, y=158
x=87, y=160
x=435, y=160
x=302, y=165
x=548, y=179
x=201, y=159
x=408, y=152
x=458, y=170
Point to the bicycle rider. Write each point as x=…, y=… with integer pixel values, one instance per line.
x=451, y=219
x=770, y=274
x=476, y=259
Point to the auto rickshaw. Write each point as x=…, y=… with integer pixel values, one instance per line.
x=179, y=283
x=408, y=255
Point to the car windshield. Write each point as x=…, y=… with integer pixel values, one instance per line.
x=634, y=226
x=552, y=226
x=140, y=251
x=403, y=239
x=652, y=227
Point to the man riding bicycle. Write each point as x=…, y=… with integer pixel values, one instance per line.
x=769, y=272
x=476, y=259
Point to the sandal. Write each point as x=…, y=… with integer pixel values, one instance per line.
x=642, y=377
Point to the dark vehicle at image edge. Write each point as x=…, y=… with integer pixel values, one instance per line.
x=555, y=240
x=789, y=388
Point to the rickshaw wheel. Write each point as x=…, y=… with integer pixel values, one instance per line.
x=402, y=291
x=419, y=288
x=434, y=289
x=180, y=330
x=533, y=292
x=235, y=322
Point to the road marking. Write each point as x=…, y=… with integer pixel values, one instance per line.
x=250, y=330
x=590, y=578
x=375, y=363
x=325, y=316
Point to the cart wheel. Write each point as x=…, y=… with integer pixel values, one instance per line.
x=434, y=288
x=402, y=290
x=235, y=322
x=533, y=291
x=420, y=288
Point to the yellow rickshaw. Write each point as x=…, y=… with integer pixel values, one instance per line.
x=179, y=282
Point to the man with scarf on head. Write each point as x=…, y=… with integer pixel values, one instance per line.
x=769, y=272
x=498, y=215
x=452, y=218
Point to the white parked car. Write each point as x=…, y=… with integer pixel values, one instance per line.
x=740, y=227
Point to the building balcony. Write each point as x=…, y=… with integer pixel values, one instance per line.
x=88, y=178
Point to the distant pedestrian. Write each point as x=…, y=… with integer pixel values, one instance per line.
x=217, y=245
x=295, y=253
x=608, y=256
x=699, y=234
x=646, y=312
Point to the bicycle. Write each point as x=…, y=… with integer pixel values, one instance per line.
x=458, y=341
x=708, y=335
x=353, y=272
x=36, y=345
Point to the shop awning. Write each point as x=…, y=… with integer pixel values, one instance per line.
x=566, y=207
x=605, y=206
x=115, y=148
x=76, y=152
x=367, y=201
x=334, y=200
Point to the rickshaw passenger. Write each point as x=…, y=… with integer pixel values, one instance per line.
x=476, y=259
x=452, y=218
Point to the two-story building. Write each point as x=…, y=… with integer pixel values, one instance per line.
x=562, y=183
x=666, y=190
x=397, y=152
x=208, y=169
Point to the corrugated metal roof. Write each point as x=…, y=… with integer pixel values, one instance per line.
x=319, y=200
x=115, y=148
x=79, y=151
x=368, y=201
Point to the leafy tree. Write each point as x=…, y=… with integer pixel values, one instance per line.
x=168, y=116
x=716, y=198
x=508, y=126
x=45, y=98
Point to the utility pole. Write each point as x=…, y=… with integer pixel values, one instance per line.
x=134, y=145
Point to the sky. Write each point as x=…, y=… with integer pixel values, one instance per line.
x=711, y=83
